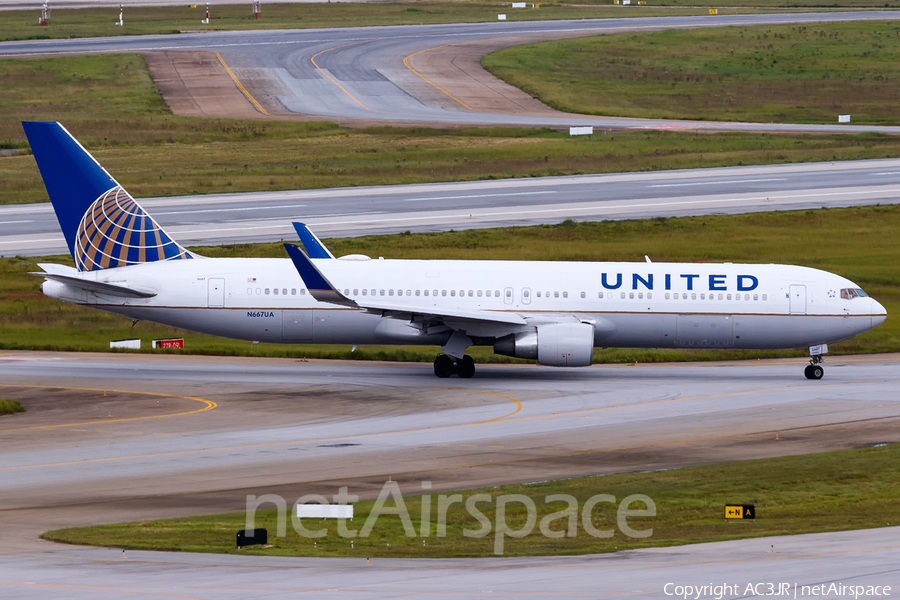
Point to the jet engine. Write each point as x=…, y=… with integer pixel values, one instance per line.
x=552, y=344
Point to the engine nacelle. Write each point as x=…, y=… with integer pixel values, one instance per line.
x=553, y=344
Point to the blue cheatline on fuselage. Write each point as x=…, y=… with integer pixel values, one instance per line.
x=103, y=225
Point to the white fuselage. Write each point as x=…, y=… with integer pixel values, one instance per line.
x=646, y=305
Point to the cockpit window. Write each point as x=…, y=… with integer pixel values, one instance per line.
x=851, y=293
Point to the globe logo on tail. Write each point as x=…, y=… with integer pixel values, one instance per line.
x=115, y=232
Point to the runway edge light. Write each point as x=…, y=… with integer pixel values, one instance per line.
x=740, y=511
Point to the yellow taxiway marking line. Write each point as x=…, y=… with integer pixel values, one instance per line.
x=439, y=88
x=209, y=405
x=241, y=86
x=232, y=448
x=416, y=430
x=651, y=403
x=330, y=78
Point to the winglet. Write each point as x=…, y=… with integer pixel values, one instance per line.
x=314, y=247
x=318, y=285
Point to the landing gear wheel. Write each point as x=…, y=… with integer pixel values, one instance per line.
x=443, y=366
x=465, y=367
x=814, y=372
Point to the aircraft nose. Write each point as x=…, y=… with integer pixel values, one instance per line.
x=878, y=312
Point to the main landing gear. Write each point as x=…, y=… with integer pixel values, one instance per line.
x=815, y=370
x=445, y=366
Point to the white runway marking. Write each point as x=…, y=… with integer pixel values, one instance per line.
x=662, y=185
x=478, y=196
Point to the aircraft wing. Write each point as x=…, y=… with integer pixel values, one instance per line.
x=70, y=276
x=321, y=289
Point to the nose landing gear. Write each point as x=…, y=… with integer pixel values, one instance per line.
x=445, y=366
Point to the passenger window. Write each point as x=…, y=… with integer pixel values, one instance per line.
x=667, y=295
x=426, y=292
x=390, y=292
x=565, y=294
x=471, y=293
x=346, y=292
x=764, y=297
x=294, y=291
x=355, y=292
x=622, y=295
x=453, y=292
x=479, y=293
x=693, y=296
x=720, y=296
x=409, y=292
x=462, y=293
x=417, y=292
x=267, y=291
x=600, y=295
x=381, y=292
x=302, y=291
x=539, y=294
x=249, y=291
x=676, y=295
x=631, y=295
x=583, y=295
x=364, y=292
x=284, y=291
x=703, y=296
x=729, y=297
x=640, y=295
x=556, y=294
x=275, y=291
x=755, y=297
x=496, y=293
x=649, y=295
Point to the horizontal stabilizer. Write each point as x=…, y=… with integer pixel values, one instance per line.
x=318, y=285
x=100, y=287
x=314, y=247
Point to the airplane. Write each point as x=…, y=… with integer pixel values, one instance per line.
x=553, y=312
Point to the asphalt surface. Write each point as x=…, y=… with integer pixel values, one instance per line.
x=97, y=449
x=359, y=73
x=32, y=229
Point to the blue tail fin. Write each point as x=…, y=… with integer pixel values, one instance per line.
x=103, y=225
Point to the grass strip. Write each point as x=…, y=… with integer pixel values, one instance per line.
x=833, y=491
x=787, y=73
x=8, y=407
x=143, y=20
x=829, y=239
x=153, y=153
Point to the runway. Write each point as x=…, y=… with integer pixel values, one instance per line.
x=32, y=229
x=226, y=428
x=394, y=74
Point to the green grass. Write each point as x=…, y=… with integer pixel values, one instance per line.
x=92, y=22
x=800, y=73
x=835, y=491
x=8, y=407
x=859, y=243
x=154, y=153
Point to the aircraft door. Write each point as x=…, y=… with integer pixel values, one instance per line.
x=508, y=296
x=297, y=325
x=526, y=295
x=798, y=299
x=216, y=292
